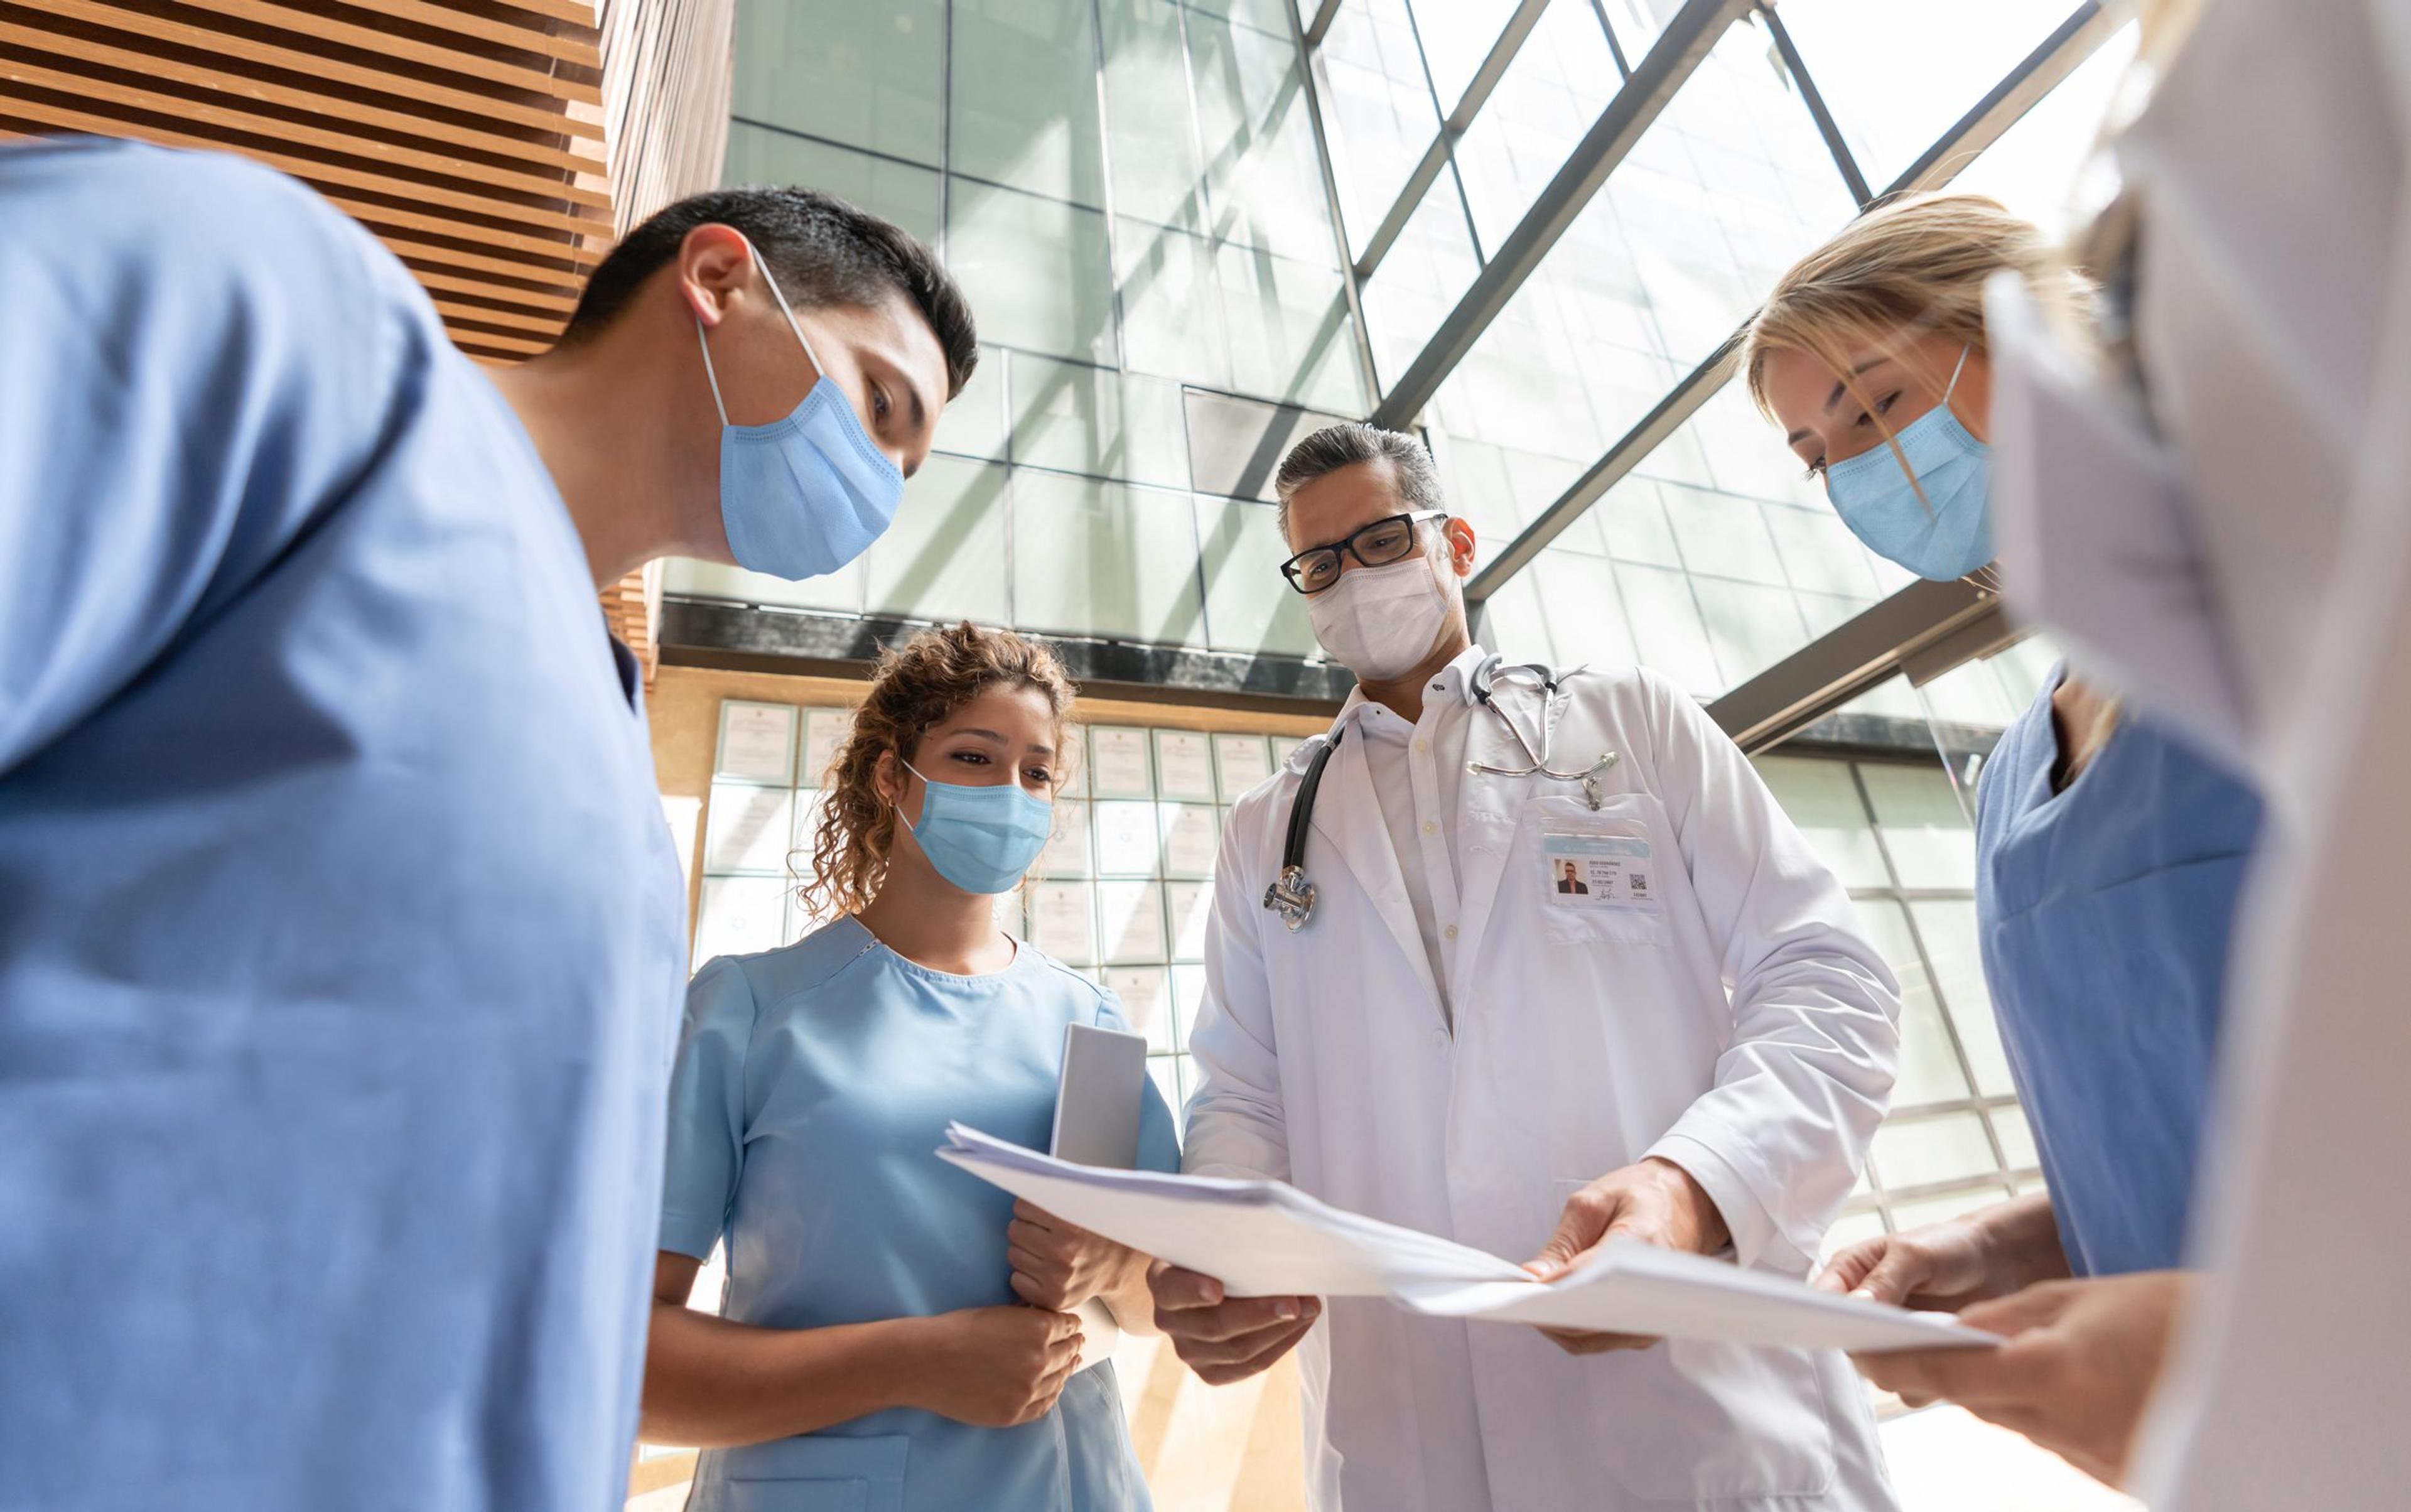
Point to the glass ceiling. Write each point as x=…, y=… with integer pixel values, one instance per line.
x=1169, y=215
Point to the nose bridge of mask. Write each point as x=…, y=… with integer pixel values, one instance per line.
x=712, y=378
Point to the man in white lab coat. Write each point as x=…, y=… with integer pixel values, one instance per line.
x=1693, y=1051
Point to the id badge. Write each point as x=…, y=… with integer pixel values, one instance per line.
x=1594, y=871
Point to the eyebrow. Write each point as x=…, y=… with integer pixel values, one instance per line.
x=1037, y=749
x=1835, y=397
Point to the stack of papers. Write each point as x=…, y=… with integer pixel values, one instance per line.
x=1267, y=1239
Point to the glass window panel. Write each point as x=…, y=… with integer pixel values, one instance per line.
x=1420, y=279
x=1516, y=624
x=1820, y=797
x=1190, y=904
x=937, y=561
x=1128, y=840
x=1184, y=765
x=1908, y=1216
x=1037, y=270
x=1636, y=24
x=1948, y=929
x=1929, y=1066
x=1025, y=98
x=1132, y=916
x=1172, y=304
x=1744, y=453
x=1920, y=1152
x=1819, y=553
x=901, y=192
x=1457, y=35
x=1149, y=137
x=1849, y=1230
x=1240, y=763
x=1118, y=760
x=1067, y=845
x=1164, y=1071
x=1897, y=73
x=1063, y=921
x=747, y=828
x=1922, y=826
x=1071, y=771
x=1473, y=480
x=1090, y=420
x=1103, y=559
x=1250, y=605
x=1145, y=996
x=2017, y=1139
x=1287, y=323
x=2049, y=166
x=1188, y=998
x=1722, y=534
x=1284, y=746
x=841, y=590
x=1970, y=693
x=1377, y=107
x=1666, y=627
x=740, y=915
x=1264, y=15
x=973, y=425
x=1825, y=613
x=867, y=74
x=1587, y=613
x=1264, y=185
x=757, y=741
x=824, y=731
x=1562, y=77
x=1632, y=520
x=1750, y=627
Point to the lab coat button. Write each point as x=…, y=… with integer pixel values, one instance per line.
x=1422, y=746
x=1429, y=828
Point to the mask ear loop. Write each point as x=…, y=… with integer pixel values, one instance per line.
x=1952, y=387
x=712, y=378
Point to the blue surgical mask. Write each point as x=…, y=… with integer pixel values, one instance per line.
x=980, y=839
x=1945, y=534
x=803, y=496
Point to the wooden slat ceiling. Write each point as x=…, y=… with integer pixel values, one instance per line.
x=496, y=146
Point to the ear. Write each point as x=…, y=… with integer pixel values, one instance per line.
x=1459, y=537
x=888, y=779
x=713, y=263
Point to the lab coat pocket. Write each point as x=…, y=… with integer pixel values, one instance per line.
x=816, y=1472
x=1596, y=874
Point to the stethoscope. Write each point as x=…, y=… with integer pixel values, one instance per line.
x=1291, y=896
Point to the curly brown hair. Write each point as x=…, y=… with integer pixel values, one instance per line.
x=916, y=687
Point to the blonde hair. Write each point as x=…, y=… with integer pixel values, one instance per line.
x=1914, y=267
x=916, y=687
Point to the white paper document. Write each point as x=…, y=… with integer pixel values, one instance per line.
x=1267, y=1239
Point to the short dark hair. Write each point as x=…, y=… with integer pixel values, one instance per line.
x=822, y=250
x=1345, y=445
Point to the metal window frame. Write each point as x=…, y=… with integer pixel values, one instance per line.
x=1672, y=60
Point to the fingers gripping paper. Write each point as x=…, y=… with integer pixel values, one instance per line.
x=1267, y=1239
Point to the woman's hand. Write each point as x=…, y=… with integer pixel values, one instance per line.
x=994, y=1367
x=1944, y=1267
x=1059, y=1266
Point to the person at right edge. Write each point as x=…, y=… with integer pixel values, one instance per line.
x=2108, y=859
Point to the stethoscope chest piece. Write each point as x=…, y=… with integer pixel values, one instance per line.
x=1290, y=896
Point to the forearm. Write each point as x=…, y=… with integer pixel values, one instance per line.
x=710, y=1383
x=2021, y=1239
x=1128, y=1299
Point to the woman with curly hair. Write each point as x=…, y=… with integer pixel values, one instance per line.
x=897, y=1335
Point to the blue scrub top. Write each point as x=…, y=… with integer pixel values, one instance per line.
x=2105, y=913
x=340, y=934
x=812, y=1090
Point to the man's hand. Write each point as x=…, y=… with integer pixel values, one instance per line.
x=1657, y=1202
x=1057, y=1265
x=1226, y=1338
x=1948, y=1266
x=2080, y=1364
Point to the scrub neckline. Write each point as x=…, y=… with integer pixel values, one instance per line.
x=953, y=978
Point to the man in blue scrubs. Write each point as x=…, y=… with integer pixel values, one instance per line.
x=341, y=945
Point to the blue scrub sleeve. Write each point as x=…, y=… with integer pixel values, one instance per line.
x=170, y=416
x=708, y=1119
x=1159, y=1133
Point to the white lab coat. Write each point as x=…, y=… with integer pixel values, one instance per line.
x=1745, y=1030
x=2273, y=319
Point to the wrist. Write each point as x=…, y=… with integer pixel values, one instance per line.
x=1701, y=1224
x=2019, y=1242
x=905, y=1358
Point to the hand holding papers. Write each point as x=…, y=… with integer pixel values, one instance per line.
x=1266, y=1238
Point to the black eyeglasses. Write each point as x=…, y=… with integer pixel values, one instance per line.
x=1376, y=545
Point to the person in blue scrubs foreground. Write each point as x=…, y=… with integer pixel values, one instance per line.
x=897, y=1333
x=2109, y=857
x=341, y=938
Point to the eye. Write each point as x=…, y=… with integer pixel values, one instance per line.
x=976, y=758
x=1816, y=470
x=878, y=405
x=1039, y=776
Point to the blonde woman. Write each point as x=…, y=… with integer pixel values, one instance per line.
x=896, y=1335
x=2108, y=853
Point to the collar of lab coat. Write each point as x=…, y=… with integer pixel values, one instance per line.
x=1454, y=680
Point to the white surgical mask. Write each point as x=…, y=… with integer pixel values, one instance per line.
x=1380, y=622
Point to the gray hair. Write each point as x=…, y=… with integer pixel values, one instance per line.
x=1335, y=447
